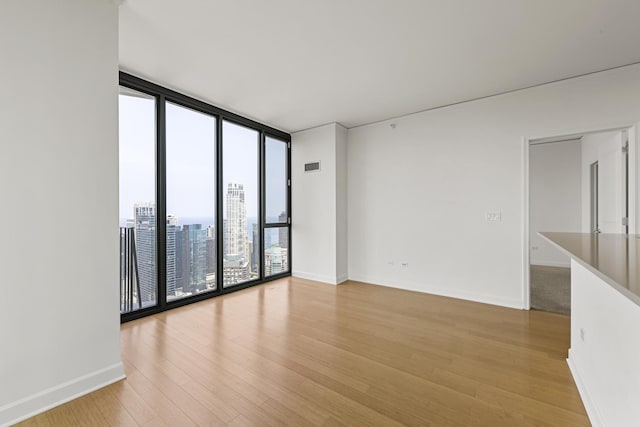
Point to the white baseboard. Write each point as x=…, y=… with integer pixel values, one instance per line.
x=441, y=291
x=332, y=280
x=44, y=400
x=551, y=263
x=342, y=278
x=592, y=411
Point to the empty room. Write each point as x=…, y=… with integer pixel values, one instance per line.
x=320, y=213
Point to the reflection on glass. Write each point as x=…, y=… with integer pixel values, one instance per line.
x=138, y=272
x=240, y=187
x=276, y=180
x=276, y=250
x=191, y=236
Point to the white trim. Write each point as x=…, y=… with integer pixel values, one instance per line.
x=526, y=279
x=332, y=280
x=572, y=133
x=342, y=278
x=633, y=135
x=29, y=406
x=544, y=263
x=441, y=291
x=526, y=141
x=592, y=411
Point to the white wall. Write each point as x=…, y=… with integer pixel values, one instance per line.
x=342, y=245
x=419, y=192
x=59, y=319
x=555, y=194
x=604, y=362
x=319, y=212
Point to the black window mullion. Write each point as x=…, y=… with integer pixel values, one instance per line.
x=289, y=221
x=161, y=201
x=262, y=210
x=219, y=209
x=276, y=224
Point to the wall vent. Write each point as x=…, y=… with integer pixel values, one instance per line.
x=312, y=167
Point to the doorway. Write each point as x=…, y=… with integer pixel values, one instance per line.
x=576, y=183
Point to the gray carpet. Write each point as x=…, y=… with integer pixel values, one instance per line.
x=551, y=289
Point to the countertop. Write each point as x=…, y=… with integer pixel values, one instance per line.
x=615, y=258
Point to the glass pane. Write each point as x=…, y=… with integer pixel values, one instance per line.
x=240, y=186
x=191, y=236
x=276, y=250
x=138, y=273
x=276, y=180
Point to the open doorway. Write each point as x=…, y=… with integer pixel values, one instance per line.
x=577, y=183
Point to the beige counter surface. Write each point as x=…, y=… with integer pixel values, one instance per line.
x=615, y=258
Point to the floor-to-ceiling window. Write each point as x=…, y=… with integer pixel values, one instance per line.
x=138, y=248
x=276, y=215
x=240, y=157
x=190, y=197
x=204, y=200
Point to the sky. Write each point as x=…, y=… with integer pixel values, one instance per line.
x=191, y=139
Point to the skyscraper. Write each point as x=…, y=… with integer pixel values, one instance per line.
x=191, y=258
x=255, y=255
x=211, y=249
x=224, y=236
x=283, y=232
x=144, y=215
x=236, y=259
x=172, y=226
x=236, y=231
x=276, y=260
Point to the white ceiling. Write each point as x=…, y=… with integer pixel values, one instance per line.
x=295, y=64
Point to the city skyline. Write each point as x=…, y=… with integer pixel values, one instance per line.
x=190, y=199
x=191, y=250
x=237, y=249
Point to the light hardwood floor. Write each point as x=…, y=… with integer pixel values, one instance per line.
x=295, y=352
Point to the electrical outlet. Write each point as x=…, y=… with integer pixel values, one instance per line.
x=405, y=264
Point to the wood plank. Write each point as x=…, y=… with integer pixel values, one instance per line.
x=300, y=353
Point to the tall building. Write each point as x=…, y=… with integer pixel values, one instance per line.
x=236, y=231
x=198, y=255
x=283, y=233
x=211, y=249
x=255, y=253
x=237, y=255
x=268, y=235
x=172, y=227
x=236, y=270
x=144, y=216
x=276, y=260
x=224, y=236
x=191, y=259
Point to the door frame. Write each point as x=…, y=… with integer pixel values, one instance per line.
x=594, y=180
x=633, y=132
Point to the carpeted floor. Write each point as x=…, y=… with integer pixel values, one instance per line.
x=551, y=289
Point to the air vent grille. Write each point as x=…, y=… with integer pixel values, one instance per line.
x=312, y=167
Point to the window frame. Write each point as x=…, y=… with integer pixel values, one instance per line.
x=163, y=95
x=263, y=205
